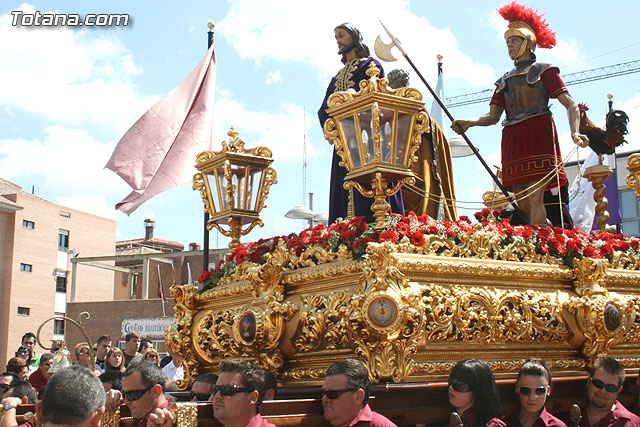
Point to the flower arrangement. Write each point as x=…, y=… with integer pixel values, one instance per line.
x=560, y=244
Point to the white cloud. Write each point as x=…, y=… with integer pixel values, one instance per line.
x=273, y=77
x=68, y=76
x=261, y=31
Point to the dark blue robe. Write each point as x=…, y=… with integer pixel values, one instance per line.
x=338, y=196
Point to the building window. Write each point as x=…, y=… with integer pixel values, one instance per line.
x=28, y=224
x=63, y=240
x=58, y=325
x=630, y=213
x=61, y=284
x=23, y=311
x=25, y=267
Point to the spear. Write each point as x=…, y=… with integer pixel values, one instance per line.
x=383, y=51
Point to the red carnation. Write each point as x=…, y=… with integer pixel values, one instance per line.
x=417, y=239
x=203, y=276
x=388, y=236
x=241, y=256
x=403, y=229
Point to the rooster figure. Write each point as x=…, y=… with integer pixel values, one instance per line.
x=604, y=141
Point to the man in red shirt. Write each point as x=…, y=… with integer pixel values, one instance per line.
x=40, y=377
x=531, y=159
x=603, y=387
x=345, y=394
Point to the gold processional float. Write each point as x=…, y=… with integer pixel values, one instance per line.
x=410, y=296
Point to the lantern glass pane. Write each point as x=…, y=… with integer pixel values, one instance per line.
x=349, y=127
x=386, y=133
x=222, y=188
x=239, y=185
x=364, y=117
x=254, y=187
x=211, y=179
x=404, y=126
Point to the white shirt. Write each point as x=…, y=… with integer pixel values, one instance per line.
x=172, y=372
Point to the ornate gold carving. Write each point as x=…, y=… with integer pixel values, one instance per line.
x=178, y=337
x=592, y=326
x=590, y=274
x=491, y=315
x=386, y=349
x=185, y=414
x=110, y=419
x=633, y=179
x=301, y=374
x=322, y=323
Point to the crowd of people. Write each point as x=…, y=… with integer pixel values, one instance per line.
x=78, y=396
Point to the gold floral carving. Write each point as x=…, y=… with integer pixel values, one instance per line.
x=598, y=322
x=590, y=274
x=179, y=334
x=388, y=348
x=110, y=419
x=491, y=315
x=322, y=323
x=185, y=414
x=301, y=374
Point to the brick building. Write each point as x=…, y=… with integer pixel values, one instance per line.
x=37, y=240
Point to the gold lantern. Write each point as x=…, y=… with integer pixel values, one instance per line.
x=241, y=179
x=376, y=133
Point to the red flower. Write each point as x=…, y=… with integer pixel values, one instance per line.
x=403, y=229
x=571, y=245
x=348, y=234
x=388, y=236
x=417, y=239
x=606, y=249
x=338, y=227
x=203, y=276
x=241, y=256
x=590, y=251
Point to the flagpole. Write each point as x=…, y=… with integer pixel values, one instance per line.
x=205, y=240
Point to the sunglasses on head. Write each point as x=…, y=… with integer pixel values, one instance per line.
x=526, y=391
x=229, y=390
x=334, y=394
x=460, y=386
x=133, y=395
x=611, y=388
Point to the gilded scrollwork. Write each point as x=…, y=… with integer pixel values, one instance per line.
x=590, y=274
x=322, y=323
x=491, y=315
x=178, y=337
x=385, y=320
x=599, y=321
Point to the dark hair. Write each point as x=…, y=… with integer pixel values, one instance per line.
x=398, y=78
x=15, y=365
x=270, y=381
x=150, y=373
x=102, y=339
x=207, y=378
x=113, y=377
x=356, y=373
x=45, y=358
x=252, y=376
x=609, y=365
x=22, y=389
x=143, y=343
x=486, y=402
x=28, y=335
x=362, y=51
x=71, y=396
x=535, y=367
x=130, y=335
x=108, y=366
x=22, y=348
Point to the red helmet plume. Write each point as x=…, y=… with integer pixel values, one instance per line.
x=528, y=23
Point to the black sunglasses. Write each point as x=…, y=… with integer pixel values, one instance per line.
x=526, y=391
x=133, y=395
x=611, y=388
x=460, y=386
x=334, y=394
x=199, y=397
x=229, y=390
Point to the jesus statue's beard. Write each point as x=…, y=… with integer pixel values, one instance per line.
x=345, y=49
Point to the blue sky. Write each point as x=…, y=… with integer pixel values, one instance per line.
x=68, y=95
